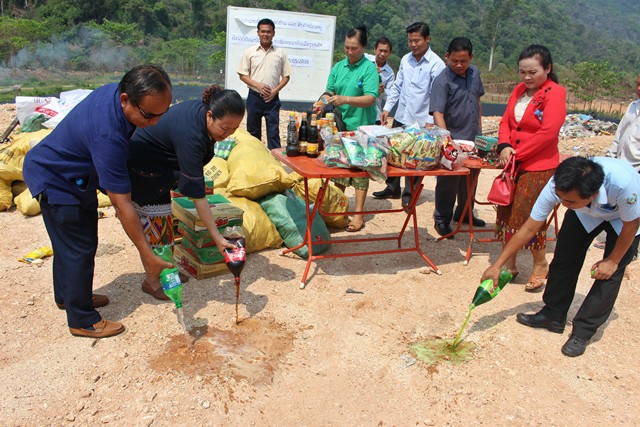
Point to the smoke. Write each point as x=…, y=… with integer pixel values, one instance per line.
x=82, y=49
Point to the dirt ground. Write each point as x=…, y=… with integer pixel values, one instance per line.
x=323, y=356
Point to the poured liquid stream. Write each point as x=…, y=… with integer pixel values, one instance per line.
x=187, y=337
x=464, y=325
x=237, y=297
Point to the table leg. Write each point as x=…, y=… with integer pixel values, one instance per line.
x=308, y=240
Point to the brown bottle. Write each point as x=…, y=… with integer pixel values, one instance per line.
x=312, y=139
x=303, y=134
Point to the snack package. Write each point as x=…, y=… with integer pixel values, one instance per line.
x=355, y=148
x=418, y=148
x=449, y=156
x=334, y=154
x=34, y=257
x=358, y=150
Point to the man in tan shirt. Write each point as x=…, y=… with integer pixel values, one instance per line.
x=265, y=69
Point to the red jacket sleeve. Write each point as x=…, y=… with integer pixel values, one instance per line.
x=542, y=122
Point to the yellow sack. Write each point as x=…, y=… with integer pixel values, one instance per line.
x=253, y=171
x=13, y=153
x=261, y=233
x=103, y=200
x=6, y=198
x=334, y=201
x=27, y=204
x=217, y=170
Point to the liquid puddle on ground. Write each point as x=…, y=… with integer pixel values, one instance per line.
x=250, y=351
x=437, y=350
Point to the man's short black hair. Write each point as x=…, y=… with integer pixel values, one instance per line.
x=581, y=174
x=460, y=44
x=383, y=40
x=419, y=27
x=266, y=21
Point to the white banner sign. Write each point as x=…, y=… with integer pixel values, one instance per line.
x=284, y=42
x=300, y=61
x=290, y=23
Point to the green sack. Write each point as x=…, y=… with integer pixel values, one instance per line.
x=287, y=212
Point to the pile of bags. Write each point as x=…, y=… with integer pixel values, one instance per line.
x=274, y=211
x=371, y=148
x=13, y=190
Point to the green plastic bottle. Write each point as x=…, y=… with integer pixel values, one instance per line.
x=169, y=277
x=485, y=293
x=488, y=291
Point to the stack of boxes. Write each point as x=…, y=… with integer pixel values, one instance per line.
x=197, y=253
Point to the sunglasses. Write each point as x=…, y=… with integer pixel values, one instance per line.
x=147, y=116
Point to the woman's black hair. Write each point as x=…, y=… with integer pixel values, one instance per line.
x=360, y=33
x=543, y=55
x=581, y=174
x=144, y=80
x=223, y=102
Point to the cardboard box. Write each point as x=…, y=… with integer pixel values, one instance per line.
x=208, y=255
x=224, y=213
x=208, y=188
x=199, y=239
x=195, y=269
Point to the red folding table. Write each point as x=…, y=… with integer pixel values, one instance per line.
x=310, y=168
x=476, y=165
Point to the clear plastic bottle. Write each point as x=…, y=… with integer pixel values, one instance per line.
x=292, y=136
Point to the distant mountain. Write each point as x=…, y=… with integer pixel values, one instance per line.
x=574, y=30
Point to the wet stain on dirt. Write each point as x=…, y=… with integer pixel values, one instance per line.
x=250, y=351
x=437, y=350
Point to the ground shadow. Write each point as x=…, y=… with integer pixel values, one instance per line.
x=126, y=296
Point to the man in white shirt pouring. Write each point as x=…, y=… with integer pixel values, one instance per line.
x=601, y=194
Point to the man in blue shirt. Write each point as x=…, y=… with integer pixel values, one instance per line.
x=455, y=106
x=600, y=194
x=382, y=49
x=87, y=151
x=411, y=90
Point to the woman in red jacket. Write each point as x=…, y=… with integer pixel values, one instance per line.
x=529, y=131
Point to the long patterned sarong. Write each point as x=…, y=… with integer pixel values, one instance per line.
x=511, y=218
x=157, y=223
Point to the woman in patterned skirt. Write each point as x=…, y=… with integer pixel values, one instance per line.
x=529, y=131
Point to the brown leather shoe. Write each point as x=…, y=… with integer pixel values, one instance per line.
x=103, y=329
x=157, y=294
x=97, y=299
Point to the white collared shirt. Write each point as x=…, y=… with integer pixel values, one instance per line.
x=388, y=76
x=265, y=66
x=626, y=142
x=617, y=199
x=411, y=89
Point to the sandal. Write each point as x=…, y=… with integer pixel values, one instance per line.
x=351, y=228
x=535, y=283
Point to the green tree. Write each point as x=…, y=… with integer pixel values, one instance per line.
x=16, y=34
x=593, y=80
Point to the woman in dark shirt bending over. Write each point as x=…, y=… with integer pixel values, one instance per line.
x=174, y=153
